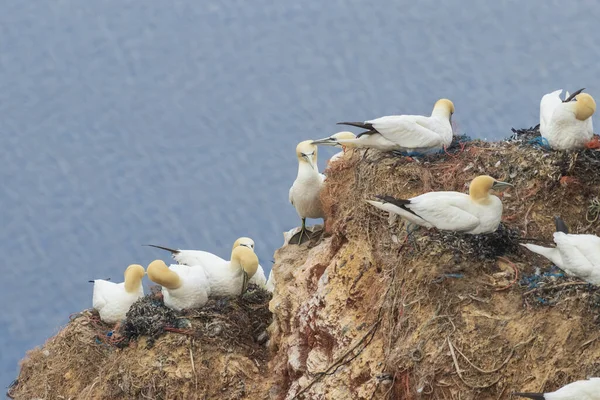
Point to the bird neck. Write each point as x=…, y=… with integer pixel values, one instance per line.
x=480, y=196
x=306, y=171
x=132, y=284
x=441, y=113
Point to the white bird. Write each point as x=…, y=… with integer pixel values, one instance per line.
x=407, y=133
x=333, y=140
x=578, y=390
x=183, y=287
x=230, y=278
x=113, y=300
x=306, y=190
x=567, y=124
x=199, y=257
x=475, y=213
x=577, y=255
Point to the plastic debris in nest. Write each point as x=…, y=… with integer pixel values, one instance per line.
x=235, y=320
x=226, y=318
x=524, y=136
x=484, y=246
x=548, y=288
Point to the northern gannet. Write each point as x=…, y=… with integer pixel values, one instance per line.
x=475, y=213
x=306, y=190
x=230, y=278
x=577, y=255
x=578, y=390
x=183, y=287
x=407, y=133
x=112, y=300
x=333, y=140
x=567, y=124
x=199, y=257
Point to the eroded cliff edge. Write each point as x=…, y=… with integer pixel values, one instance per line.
x=369, y=311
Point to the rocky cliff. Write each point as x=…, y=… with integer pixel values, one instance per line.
x=370, y=310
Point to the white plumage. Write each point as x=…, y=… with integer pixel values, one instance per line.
x=567, y=125
x=183, y=287
x=579, y=390
x=475, y=213
x=306, y=190
x=407, y=133
x=203, y=258
x=113, y=300
x=577, y=255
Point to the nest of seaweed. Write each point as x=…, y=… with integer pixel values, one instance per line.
x=221, y=320
x=450, y=295
x=150, y=352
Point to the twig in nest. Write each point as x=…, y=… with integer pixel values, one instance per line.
x=514, y=267
x=555, y=287
x=458, y=371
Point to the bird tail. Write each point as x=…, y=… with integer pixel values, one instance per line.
x=362, y=125
x=551, y=253
x=560, y=225
x=535, y=396
x=173, y=251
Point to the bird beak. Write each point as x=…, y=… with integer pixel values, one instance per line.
x=309, y=160
x=326, y=142
x=499, y=185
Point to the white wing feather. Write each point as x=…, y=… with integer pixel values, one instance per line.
x=548, y=104
x=411, y=131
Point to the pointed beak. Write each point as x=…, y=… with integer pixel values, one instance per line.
x=326, y=142
x=499, y=185
x=309, y=160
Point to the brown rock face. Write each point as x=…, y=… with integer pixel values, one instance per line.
x=374, y=309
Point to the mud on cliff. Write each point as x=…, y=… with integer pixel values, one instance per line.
x=370, y=310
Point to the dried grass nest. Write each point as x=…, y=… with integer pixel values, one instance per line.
x=88, y=351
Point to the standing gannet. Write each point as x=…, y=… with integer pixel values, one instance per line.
x=567, y=124
x=112, y=300
x=477, y=212
x=306, y=190
x=230, y=278
x=407, y=133
x=579, y=390
x=333, y=140
x=577, y=255
x=199, y=257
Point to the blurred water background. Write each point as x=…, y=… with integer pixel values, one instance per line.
x=127, y=122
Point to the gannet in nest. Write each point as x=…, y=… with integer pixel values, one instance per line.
x=579, y=390
x=407, y=133
x=334, y=140
x=475, y=213
x=230, y=278
x=112, y=300
x=199, y=257
x=577, y=255
x=305, y=192
x=183, y=287
x=567, y=124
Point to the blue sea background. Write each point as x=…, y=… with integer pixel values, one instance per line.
x=175, y=122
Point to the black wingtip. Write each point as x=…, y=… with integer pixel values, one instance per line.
x=91, y=281
x=358, y=125
x=560, y=225
x=572, y=96
x=535, y=396
x=173, y=251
